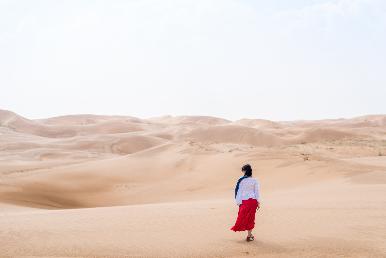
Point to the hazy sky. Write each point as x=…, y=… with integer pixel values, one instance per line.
x=280, y=60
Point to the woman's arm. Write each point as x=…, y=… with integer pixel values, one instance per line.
x=238, y=198
x=257, y=190
x=238, y=195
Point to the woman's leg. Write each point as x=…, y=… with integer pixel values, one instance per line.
x=252, y=217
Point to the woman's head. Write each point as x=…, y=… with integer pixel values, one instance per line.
x=247, y=169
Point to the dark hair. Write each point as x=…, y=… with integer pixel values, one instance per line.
x=247, y=170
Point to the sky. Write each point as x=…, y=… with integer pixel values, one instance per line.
x=277, y=60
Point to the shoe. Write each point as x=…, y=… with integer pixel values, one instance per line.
x=250, y=238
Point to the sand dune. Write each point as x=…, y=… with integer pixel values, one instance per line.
x=68, y=126
x=20, y=124
x=120, y=186
x=189, y=120
x=259, y=123
x=86, y=119
x=233, y=134
x=362, y=121
x=323, y=134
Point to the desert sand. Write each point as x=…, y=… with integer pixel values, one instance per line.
x=120, y=186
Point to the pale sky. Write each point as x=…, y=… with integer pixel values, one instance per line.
x=278, y=60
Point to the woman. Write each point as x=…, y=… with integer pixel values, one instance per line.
x=247, y=198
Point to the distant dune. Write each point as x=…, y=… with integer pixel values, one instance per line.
x=121, y=186
x=234, y=134
x=259, y=123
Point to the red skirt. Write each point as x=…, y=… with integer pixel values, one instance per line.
x=246, y=216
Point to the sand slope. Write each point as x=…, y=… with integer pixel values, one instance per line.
x=117, y=186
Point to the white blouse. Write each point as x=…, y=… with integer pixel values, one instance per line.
x=248, y=188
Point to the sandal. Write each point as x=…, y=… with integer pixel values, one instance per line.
x=251, y=238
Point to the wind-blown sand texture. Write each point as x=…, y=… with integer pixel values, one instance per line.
x=117, y=186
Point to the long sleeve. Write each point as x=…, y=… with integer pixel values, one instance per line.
x=238, y=196
x=257, y=190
